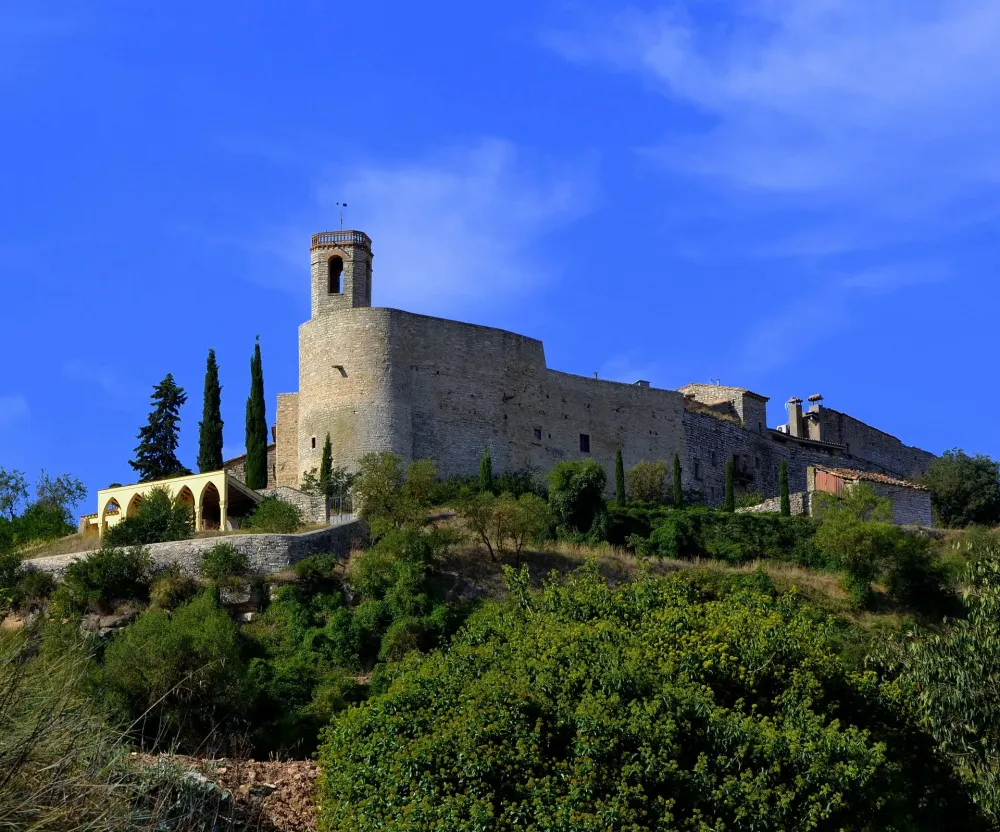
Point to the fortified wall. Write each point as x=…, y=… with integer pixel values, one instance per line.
x=379, y=379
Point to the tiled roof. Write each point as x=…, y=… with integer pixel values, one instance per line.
x=868, y=476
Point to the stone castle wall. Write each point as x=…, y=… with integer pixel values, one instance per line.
x=881, y=449
x=238, y=467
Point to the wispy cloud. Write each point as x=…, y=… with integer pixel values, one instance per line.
x=120, y=392
x=459, y=229
x=13, y=410
x=892, y=105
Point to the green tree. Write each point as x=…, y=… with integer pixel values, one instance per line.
x=486, y=471
x=621, y=498
x=381, y=490
x=326, y=469
x=965, y=490
x=421, y=482
x=647, y=481
x=646, y=707
x=256, y=427
x=13, y=491
x=504, y=524
x=950, y=681
x=576, y=493
x=156, y=453
x=729, y=504
x=786, y=504
x=159, y=518
x=210, y=426
x=678, y=487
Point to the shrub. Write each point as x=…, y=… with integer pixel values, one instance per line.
x=274, y=516
x=100, y=580
x=965, y=490
x=158, y=518
x=319, y=574
x=182, y=674
x=421, y=482
x=647, y=481
x=171, y=588
x=34, y=585
x=520, y=482
x=576, y=493
x=504, y=523
x=224, y=564
x=380, y=488
x=646, y=707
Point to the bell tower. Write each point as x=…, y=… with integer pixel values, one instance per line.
x=341, y=266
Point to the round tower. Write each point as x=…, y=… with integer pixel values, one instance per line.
x=341, y=265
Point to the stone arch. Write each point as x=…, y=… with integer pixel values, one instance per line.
x=334, y=273
x=112, y=506
x=185, y=497
x=211, y=508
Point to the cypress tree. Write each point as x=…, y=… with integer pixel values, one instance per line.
x=326, y=469
x=620, y=497
x=486, y=471
x=156, y=453
x=210, y=426
x=786, y=505
x=256, y=439
x=730, y=501
x=678, y=489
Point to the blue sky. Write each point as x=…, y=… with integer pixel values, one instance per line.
x=792, y=197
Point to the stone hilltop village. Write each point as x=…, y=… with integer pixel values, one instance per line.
x=378, y=379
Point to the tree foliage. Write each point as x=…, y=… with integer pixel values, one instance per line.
x=256, y=424
x=647, y=481
x=504, y=524
x=965, y=490
x=576, y=493
x=645, y=707
x=786, y=504
x=621, y=497
x=486, y=470
x=729, y=501
x=678, y=487
x=326, y=469
x=156, y=453
x=211, y=424
x=274, y=516
x=158, y=518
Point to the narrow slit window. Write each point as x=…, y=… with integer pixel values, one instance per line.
x=314, y=443
x=538, y=434
x=335, y=269
x=585, y=443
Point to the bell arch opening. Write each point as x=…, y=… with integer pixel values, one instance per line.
x=334, y=271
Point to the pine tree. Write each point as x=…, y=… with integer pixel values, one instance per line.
x=156, y=453
x=326, y=469
x=678, y=489
x=256, y=438
x=786, y=505
x=620, y=497
x=730, y=501
x=210, y=426
x=486, y=471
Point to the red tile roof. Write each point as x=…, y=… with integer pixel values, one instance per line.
x=868, y=476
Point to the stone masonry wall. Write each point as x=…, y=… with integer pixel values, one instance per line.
x=287, y=440
x=798, y=503
x=885, y=452
x=910, y=506
x=267, y=553
x=238, y=467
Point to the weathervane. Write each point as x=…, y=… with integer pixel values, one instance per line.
x=342, y=206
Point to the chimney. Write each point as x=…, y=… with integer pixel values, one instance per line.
x=641, y=383
x=815, y=420
x=794, y=407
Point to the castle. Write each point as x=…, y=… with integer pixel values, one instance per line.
x=422, y=387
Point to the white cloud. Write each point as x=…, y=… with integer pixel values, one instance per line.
x=831, y=99
x=13, y=409
x=460, y=229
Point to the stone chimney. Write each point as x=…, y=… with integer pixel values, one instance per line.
x=795, y=427
x=815, y=421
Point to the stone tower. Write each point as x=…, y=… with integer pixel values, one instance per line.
x=341, y=271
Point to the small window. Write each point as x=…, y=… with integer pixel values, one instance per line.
x=538, y=434
x=335, y=268
x=314, y=443
x=585, y=443
x=697, y=469
x=713, y=459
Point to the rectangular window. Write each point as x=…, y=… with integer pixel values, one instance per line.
x=538, y=434
x=585, y=443
x=314, y=443
x=697, y=469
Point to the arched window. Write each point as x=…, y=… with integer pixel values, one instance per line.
x=335, y=268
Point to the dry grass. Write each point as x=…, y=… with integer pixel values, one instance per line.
x=70, y=545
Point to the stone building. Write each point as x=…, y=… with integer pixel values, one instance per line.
x=388, y=380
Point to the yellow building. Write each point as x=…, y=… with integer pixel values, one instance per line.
x=217, y=499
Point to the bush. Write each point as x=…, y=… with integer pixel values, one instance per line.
x=319, y=575
x=645, y=707
x=34, y=585
x=182, y=674
x=104, y=578
x=505, y=524
x=274, y=516
x=171, y=588
x=734, y=538
x=158, y=519
x=647, y=481
x=224, y=564
x=965, y=490
x=576, y=493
